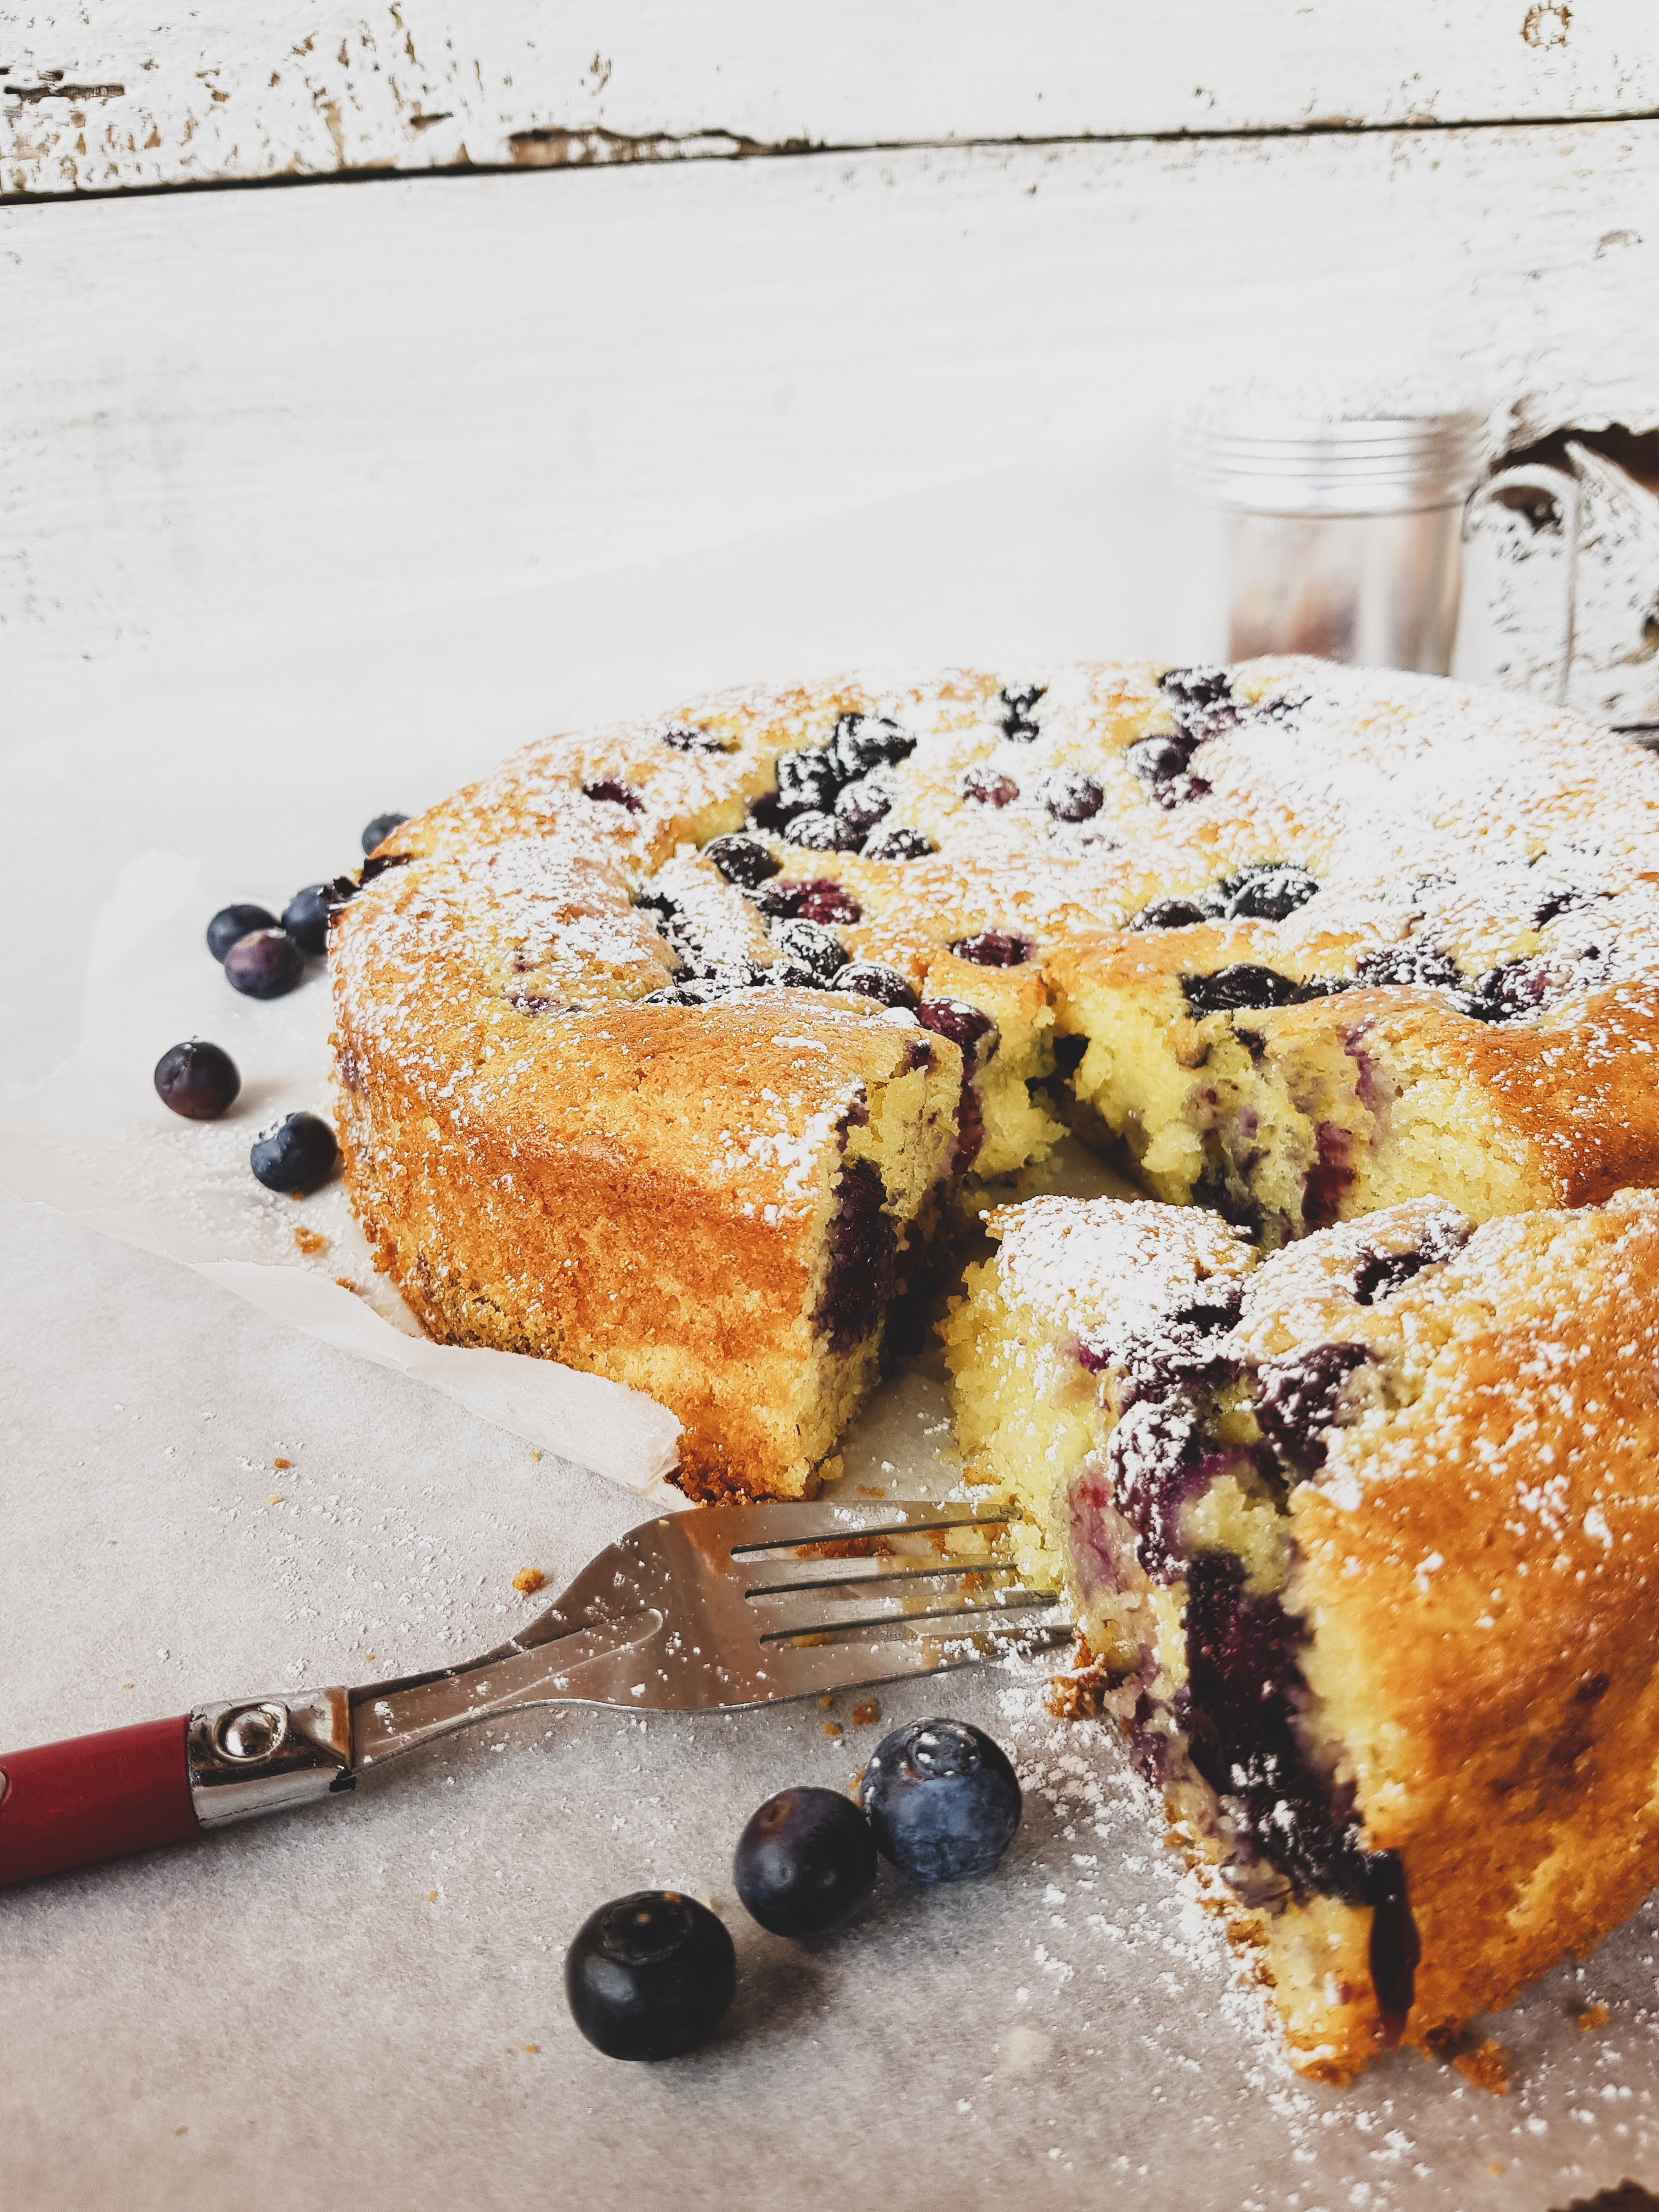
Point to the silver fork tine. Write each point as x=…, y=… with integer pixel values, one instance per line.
x=803, y=1670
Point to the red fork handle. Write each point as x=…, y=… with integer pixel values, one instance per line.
x=94, y=1797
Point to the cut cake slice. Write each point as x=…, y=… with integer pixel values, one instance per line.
x=1360, y=1540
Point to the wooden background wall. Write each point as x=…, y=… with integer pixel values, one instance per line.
x=778, y=263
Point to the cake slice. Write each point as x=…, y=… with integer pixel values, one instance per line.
x=1361, y=1541
x=717, y=1203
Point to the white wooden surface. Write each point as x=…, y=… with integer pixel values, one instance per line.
x=255, y=407
x=124, y=93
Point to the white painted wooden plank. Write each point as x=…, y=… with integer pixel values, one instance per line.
x=120, y=92
x=257, y=408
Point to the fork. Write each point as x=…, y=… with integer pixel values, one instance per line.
x=708, y=1610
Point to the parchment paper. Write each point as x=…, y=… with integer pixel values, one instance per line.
x=94, y=1141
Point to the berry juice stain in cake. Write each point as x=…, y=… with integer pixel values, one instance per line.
x=857, y=1280
x=612, y=791
x=1301, y=1398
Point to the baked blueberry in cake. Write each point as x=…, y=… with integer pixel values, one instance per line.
x=1293, y=942
x=1360, y=1539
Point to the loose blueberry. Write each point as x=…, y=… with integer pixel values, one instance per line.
x=1070, y=795
x=612, y=791
x=863, y=804
x=805, y=1863
x=817, y=832
x=233, y=921
x=965, y=1025
x=377, y=831
x=1168, y=914
x=894, y=840
x=807, y=783
x=740, y=859
x=297, y=1155
x=866, y=741
x=1018, y=715
x=989, y=786
x=809, y=945
x=871, y=979
x=265, y=965
x=943, y=1800
x=306, y=915
x=994, y=948
x=196, y=1079
x=650, y=1976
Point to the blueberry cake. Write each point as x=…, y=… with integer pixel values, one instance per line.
x=1359, y=1536
x=664, y=1049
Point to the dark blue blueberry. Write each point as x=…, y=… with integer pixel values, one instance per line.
x=1168, y=914
x=967, y=1027
x=1070, y=795
x=872, y=979
x=863, y=804
x=1410, y=963
x=1018, y=716
x=1243, y=984
x=1510, y=993
x=742, y=861
x=1201, y=686
x=1264, y=890
x=265, y=965
x=1153, y=759
x=805, y=1863
x=198, y=1081
x=233, y=921
x=943, y=1799
x=684, y=738
x=306, y=915
x=658, y=904
x=650, y=1976
x=989, y=786
x=298, y=1155
x=612, y=791
x=816, y=832
x=377, y=831
x=809, y=945
x=896, y=840
x=994, y=948
x=679, y=994
x=866, y=741
x=807, y=783
x=1299, y=1400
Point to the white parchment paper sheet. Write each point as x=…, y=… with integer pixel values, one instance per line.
x=95, y=1140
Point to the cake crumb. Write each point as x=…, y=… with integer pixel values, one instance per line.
x=282, y=1466
x=432, y=1897
x=867, y=1713
x=1079, y=1692
x=528, y=1581
x=1494, y=2165
x=532, y=2047
x=825, y=1702
x=345, y=1283
x=1487, y=2068
x=310, y=1241
x=275, y=1498
x=865, y=1491
x=1593, y=2016
x=832, y=1728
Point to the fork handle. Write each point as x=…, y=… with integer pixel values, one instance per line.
x=65, y=1805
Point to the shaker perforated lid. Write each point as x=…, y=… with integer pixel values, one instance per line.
x=1247, y=449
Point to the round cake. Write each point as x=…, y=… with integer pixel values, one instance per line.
x=663, y=1050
